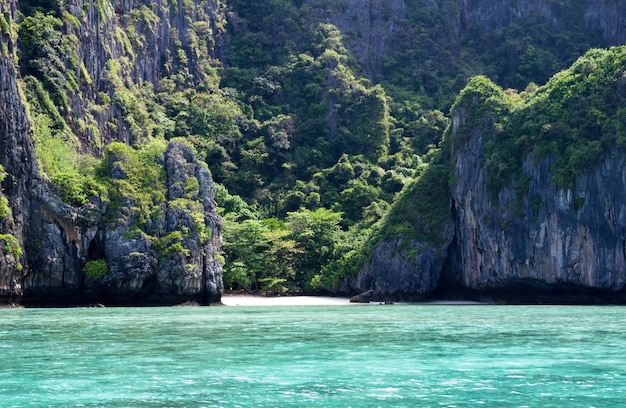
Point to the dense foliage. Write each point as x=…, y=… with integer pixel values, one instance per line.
x=573, y=120
x=96, y=269
x=317, y=154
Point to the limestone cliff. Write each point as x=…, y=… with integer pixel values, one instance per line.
x=569, y=243
x=176, y=263
x=102, y=201
x=386, y=36
x=17, y=159
x=48, y=243
x=605, y=16
x=406, y=263
x=367, y=25
x=537, y=204
x=536, y=237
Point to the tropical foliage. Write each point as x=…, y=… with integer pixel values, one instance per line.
x=577, y=117
x=96, y=269
x=317, y=155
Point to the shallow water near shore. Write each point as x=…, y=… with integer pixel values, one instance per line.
x=324, y=356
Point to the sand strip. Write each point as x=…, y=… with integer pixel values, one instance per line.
x=249, y=300
x=243, y=300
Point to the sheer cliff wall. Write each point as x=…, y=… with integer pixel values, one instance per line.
x=374, y=30
x=47, y=242
x=533, y=198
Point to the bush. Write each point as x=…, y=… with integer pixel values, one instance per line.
x=71, y=188
x=96, y=269
x=5, y=210
x=11, y=245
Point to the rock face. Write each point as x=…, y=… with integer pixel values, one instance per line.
x=165, y=40
x=16, y=155
x=368, y=26
x=521, y=238
x=58, y=240
x=144, y=270
x=603, y=15
x=556, y=246
x=407, y=262
x=372, y=28
x=47, y=243
x=394, y=273
x=568, y=243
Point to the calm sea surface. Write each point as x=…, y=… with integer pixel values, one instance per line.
x=319, y=356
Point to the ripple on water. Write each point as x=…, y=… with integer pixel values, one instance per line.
x=322, y=356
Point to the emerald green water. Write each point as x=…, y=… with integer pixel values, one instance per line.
x=359, y=356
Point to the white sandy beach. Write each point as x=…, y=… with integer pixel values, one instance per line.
x=247, y=300
x=250, y=300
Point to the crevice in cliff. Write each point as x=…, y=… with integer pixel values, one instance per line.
x=463, y=16
x=449, y=286
x=204, y=293
x=94, y=251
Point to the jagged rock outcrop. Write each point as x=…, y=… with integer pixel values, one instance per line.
x=553, y=228
x=397, y=273
x=537, y=217
x=406, y=262
x=554, y=243
x=58, y=239
x=47, y=242
x=178, y=263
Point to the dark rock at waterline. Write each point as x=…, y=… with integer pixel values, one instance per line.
x=364, y=297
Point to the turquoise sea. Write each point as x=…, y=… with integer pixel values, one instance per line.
x=314, y=356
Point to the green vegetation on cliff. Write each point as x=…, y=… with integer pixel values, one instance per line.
x=96, y=269
x=9, y=243
x=573, y=120
x=578, y=115
x=5, y=210
x=319, y=153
